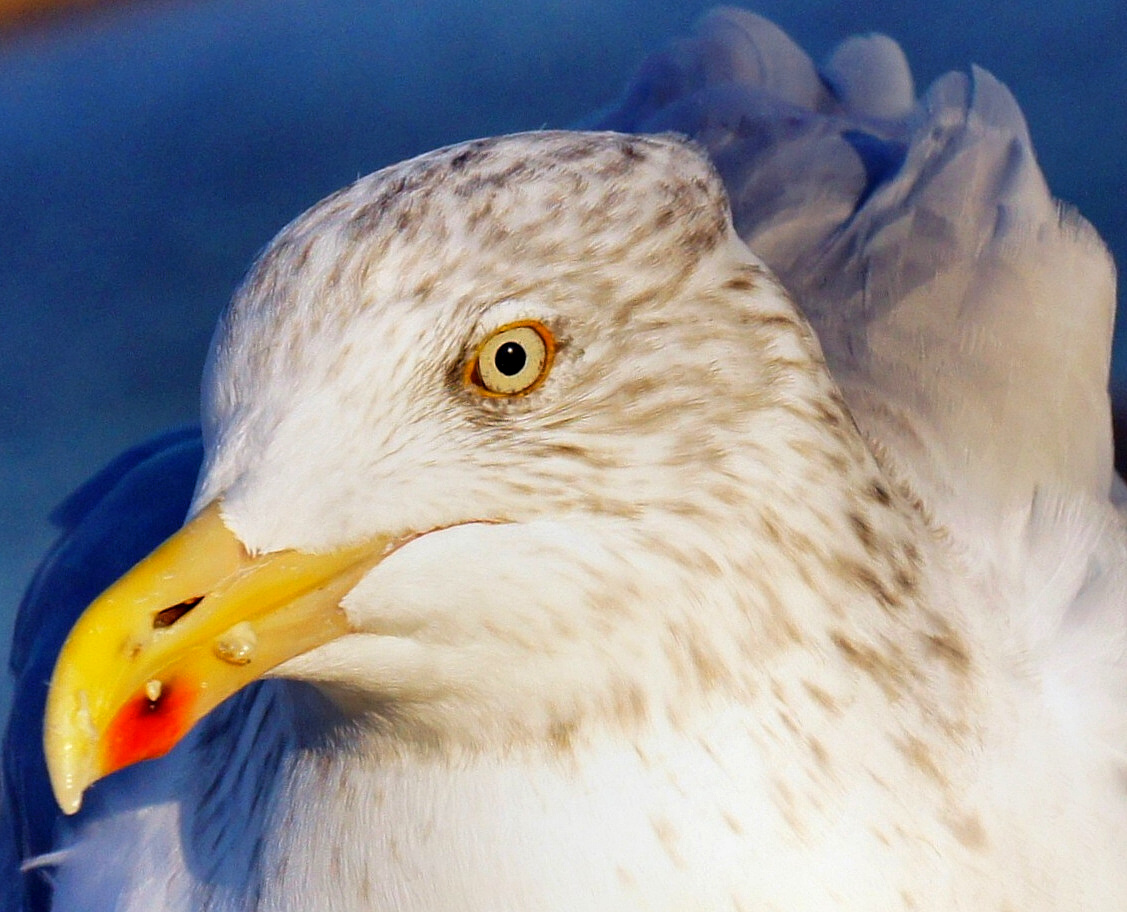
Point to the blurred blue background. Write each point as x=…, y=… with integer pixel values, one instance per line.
x=148, y=150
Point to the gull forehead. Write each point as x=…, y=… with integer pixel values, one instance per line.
x=507, y=212
x=373, y=298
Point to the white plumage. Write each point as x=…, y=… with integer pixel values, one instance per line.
x=724, y=612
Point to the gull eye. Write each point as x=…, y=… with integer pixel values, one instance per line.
x=513, y=360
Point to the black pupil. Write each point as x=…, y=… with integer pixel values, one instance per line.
x=510, y=359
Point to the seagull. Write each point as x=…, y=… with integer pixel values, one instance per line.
x=709, y=510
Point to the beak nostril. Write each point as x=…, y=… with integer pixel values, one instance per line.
x=169, y=616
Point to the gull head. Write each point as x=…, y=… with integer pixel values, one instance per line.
x=510, y=443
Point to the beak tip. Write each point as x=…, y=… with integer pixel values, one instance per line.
x=67, y=747
x=68, y=788
x=71, y=803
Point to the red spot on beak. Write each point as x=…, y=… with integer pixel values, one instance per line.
x=144, y=729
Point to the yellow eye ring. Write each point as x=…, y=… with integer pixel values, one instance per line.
x=513, y=361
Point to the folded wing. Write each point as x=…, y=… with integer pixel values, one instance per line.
x=966, y=313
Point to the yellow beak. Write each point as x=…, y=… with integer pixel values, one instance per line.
x=192, y=623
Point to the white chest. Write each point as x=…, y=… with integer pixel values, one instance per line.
x=607, y=836
x=721, y=820
x=676, y=824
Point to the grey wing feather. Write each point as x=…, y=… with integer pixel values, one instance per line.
x=965, y=314
x=107, y=525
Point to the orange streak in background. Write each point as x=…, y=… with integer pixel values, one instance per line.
x=17, y=13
